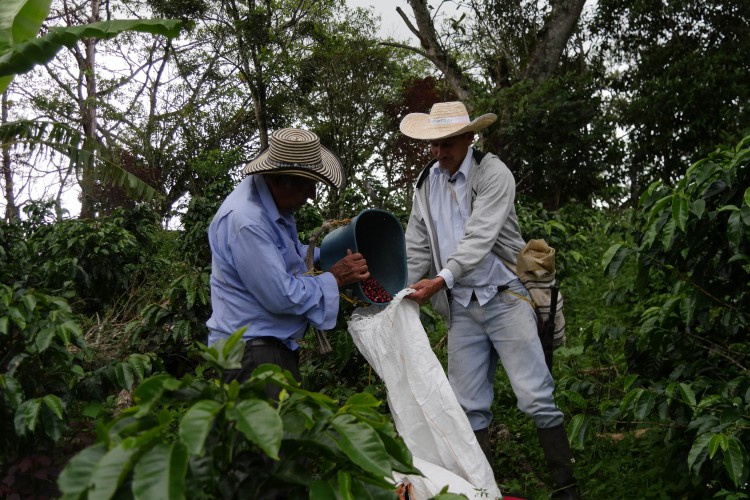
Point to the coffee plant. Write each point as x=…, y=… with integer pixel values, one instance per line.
x=687, y=343
x=201, y=437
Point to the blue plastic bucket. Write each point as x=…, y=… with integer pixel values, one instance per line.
x=379, y=237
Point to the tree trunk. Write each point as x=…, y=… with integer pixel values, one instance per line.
x=11, y=210
x=436, y=53
x=552, y=39
x=88, y=116
x=254, y=75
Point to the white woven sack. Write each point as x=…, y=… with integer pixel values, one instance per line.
x=424, y=408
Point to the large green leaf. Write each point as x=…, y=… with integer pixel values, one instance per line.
x=578, y=428
x=76, y=476
x=197, y=423
x=54, y=404
x=27, y=416
x=735, y=230
x=261, y=424
x=12, y=390
x=717, y=441
x=362, y=445
x=345, y=485
x=125, y=376
x=644, y=404
x=111, y=470
x=736, y=461
x=698, y=452
x=160, y=473
x=667, y=237
x=687, y=394
x=680, y=211
x=19, y=21
x=614, y=257
x=151, y=390
x=24, y=56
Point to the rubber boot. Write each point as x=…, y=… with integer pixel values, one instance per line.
x=483, y=437
x=554, y=441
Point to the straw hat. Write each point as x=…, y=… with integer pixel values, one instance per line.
x=294, y=151
x=446, y=119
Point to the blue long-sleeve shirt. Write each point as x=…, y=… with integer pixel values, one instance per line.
x=258, y=271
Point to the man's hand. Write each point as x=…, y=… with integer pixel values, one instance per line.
x=350, y=269
x=425, y=289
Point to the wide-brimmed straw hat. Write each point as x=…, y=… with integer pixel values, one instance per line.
x=295, y=151
x=446, y=119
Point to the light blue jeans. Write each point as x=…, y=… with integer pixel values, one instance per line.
x=505, y=327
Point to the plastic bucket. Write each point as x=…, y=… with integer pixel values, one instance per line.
x=379, y=237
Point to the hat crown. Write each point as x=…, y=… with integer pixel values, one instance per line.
x=445, y=119
x=294, y=147
x=295, y=151
x=443, y=113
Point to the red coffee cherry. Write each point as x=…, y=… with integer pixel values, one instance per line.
x=374, y=291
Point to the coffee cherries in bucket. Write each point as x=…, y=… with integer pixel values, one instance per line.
x=374, y=291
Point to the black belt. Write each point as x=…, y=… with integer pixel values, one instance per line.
x=474, y=298
x=265, y=342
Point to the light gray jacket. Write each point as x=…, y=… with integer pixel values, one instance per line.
x=492, y=226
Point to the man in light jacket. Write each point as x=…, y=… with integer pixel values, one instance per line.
x=462, y=242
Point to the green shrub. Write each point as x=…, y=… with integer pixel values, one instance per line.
x=205, y=438
x=687, y=340
x=42, y=352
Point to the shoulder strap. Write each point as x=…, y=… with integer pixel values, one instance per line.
x=478, y=155
x=425, y=172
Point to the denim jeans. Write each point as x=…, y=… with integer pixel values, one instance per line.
x=505, y=327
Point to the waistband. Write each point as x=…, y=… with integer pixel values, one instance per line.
x=474, y=298
x=266, y=342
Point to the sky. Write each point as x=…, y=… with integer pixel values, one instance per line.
x=391, y=22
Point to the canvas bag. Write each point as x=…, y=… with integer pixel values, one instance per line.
x=536, y=269
x=425, y=411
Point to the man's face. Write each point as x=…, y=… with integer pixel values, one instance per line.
x=451, y=152
x=291, y=192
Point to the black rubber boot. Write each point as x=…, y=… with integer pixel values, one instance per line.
x=483, y=436
x=556, y=448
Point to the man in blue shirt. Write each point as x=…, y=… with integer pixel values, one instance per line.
x=259, y=278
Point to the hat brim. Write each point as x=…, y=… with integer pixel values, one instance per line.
x=329, y=170
x=418, y=126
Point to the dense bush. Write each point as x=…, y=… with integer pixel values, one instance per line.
x=686, y=331
x=203, y=438
x=42, y=353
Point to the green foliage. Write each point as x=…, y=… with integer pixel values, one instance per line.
x=680, y=69
x=90, y=261
x=687, y=350
x=558, y=140
x=41, y=346
x=171, y=325
x=227, y=440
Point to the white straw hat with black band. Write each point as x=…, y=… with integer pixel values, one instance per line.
x=446, y=119
x=295, y=151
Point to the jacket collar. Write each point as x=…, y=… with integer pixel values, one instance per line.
x=478, y=157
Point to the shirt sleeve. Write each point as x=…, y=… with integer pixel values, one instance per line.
x=447, y=275
x=264, y=270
